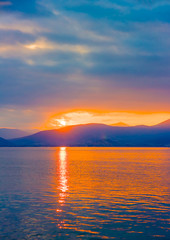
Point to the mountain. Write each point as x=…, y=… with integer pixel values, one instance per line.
x=120, y=124
x=9, y=133
x=165, y=124
x=4, y=143
x=98, y=135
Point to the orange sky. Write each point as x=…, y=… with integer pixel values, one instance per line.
x=84, y=117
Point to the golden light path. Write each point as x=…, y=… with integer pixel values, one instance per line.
x=127, y=178
x=63, y=181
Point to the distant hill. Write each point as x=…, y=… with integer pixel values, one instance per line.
x=4, y=143
x=98, y=135
x=9, y=133
x=165, y=124
x=120, y=124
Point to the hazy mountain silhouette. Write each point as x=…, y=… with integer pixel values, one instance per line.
x=5, y=143
x=9, y=133
x=165, y=124
x=99, y=135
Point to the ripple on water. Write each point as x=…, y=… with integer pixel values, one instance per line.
x=84, y=193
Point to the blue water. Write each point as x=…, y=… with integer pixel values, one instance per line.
x=84, y=193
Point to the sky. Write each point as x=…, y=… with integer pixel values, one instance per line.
x=84, y=61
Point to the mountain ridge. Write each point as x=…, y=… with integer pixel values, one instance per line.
x=98, y=135
x=9, y=133
x=165, y=124
x=5, y=143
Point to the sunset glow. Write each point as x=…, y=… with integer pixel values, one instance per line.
x=64, y=63
x=62, y=122
x=109, y=118
x=57, y=123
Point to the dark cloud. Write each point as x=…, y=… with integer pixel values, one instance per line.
x=15, y=36
x=123, y=11
x=27, y=8
x=129, y=65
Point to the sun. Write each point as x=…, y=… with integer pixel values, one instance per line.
x=58, y=123
x=61, y=122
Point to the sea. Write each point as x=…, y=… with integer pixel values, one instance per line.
x=70, y=193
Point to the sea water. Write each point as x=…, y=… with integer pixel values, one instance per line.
x=84, y=193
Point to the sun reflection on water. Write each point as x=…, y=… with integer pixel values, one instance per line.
x=62, y=184
x=120, y=189
x=63, y=181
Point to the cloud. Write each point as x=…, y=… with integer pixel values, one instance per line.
x=88, y=54
x=5, y=3
x=21, y=118
x=16, y=23
x=43, y=44
x=25, y=8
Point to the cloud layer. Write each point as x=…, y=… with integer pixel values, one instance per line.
x=64, y=55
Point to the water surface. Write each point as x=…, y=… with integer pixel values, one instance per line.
x=84, y=193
